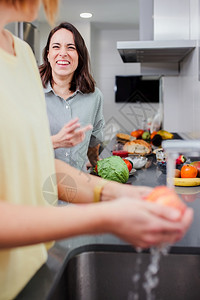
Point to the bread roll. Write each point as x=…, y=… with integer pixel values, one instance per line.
x=138, y=147
x=123, y=136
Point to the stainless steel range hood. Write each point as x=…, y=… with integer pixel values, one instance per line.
x=161, y=51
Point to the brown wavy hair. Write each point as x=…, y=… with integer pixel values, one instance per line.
x=82, y=78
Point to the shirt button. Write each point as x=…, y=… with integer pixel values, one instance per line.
x=66, y=154
x=67, y=106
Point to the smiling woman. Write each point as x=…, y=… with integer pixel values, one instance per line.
x=70, y=92
x=63, y=58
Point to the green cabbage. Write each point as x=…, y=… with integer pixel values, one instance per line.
x=113, y=168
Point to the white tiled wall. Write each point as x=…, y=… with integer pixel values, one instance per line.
x=171, y=19
x=182, y=93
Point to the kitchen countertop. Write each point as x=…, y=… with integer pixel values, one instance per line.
x=44, y=280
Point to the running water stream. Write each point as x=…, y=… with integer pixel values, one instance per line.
x=136, y=276
x=151, y=279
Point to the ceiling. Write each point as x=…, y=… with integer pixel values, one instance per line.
x=106, y=13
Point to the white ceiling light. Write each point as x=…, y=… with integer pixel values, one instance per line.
x=86, y=15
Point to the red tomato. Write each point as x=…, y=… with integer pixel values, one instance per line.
x=129, y=164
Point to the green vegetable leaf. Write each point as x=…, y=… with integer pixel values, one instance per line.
x=113, y=168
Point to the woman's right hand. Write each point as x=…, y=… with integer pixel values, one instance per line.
x=146, y=224
x=69, y=136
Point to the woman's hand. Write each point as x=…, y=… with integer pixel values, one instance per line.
x=69, y=136
x=146, y=224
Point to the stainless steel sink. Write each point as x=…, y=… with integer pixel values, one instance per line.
x=105, y=272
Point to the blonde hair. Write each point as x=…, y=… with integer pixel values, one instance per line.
x=50, y=7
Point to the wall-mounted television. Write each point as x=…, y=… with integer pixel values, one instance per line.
x=137, y=89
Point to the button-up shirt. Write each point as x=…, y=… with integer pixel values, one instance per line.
x=88, y=108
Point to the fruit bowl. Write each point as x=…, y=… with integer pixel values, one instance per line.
x=138, y=162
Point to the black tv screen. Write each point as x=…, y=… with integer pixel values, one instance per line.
x=136, y=89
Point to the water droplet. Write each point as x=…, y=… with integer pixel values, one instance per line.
x=136, y=277
x=138, y=249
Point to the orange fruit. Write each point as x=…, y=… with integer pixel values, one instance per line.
x=165, y=196
x=188, y=171
x=137, y=133
x=153, y=134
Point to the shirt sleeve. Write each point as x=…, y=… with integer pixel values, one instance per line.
x=97, y=136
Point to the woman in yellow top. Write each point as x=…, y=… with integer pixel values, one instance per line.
x=28, y=168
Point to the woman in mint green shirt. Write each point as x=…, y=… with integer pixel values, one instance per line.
x=70, y=93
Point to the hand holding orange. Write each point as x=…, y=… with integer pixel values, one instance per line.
x=165, y=196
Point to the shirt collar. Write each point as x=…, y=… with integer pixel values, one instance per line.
x=49, y=89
